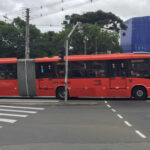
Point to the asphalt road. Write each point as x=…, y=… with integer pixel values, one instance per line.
x=110, y=125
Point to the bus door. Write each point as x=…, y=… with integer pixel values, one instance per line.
x=118, y=81
x=45, y=73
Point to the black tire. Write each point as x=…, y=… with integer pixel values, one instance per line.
x=139, y=93
x=60, y=93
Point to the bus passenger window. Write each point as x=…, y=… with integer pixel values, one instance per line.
x=139, y=68
x=114, y=71
x=77, y=69
x=118, y=69
x=45, y=70
x=60, y=71
x=91, y=74
x=42, y=69
x=123, y=69
x=96, y=69
x=8, y=71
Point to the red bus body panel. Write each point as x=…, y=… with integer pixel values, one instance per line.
x=93, y=87
x=8, y=87
x=87, y=87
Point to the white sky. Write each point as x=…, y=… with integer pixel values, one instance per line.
x=52, y=14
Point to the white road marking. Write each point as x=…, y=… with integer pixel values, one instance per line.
x=140, y=134
x=128, y=124
x=13, y=115
x=1, y=126
x=121, y=117
x=113, y=110
x=108, y=106
x=34, y=108
x=21, y=111
x=7, y=120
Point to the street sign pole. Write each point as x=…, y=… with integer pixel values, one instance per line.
x=66, y=61
x=66, y=71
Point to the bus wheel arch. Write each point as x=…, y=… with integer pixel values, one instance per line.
x=60, y=92
x=139, y=92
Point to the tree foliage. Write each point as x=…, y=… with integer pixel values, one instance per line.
x=100, y=36
x=95, y=41
x=104, y=20
x=12, y=40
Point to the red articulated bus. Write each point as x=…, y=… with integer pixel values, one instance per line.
x=107, y=76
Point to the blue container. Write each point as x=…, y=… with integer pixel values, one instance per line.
x=137, y=37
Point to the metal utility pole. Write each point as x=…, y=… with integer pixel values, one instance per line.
x=27, y=48
x=66, y=60
x=96, y=52
x=85, y=44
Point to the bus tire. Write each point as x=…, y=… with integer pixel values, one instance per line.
x=139, y=93
x=60, y=93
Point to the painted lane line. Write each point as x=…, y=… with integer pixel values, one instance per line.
x=13, y=115
x=20, y=111
x=108, y=106
x=7, y=120
x=34, y=108
x=140, y=134
x=113, y=110
x=1, y=127
x=128, y=124
x=105, y=102
x=121, y=117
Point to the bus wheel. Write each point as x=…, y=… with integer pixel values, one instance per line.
x=60, y=93
x=139, y=93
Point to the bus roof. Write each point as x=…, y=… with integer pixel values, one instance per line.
x=95, y=57
x=8, y=60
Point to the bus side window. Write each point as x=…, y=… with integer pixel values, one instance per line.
x=122, y=69
x=77, y=69
x=114, y=71
x=96, y=69
x=118, y=69
x=45, y=70
x=8, y=71
x=139, y=68
x=60, y=71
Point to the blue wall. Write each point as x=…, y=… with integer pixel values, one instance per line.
x=137, y=36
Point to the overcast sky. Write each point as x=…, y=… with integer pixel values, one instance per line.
x=51, y=12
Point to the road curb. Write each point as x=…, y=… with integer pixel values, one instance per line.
x=49, y=103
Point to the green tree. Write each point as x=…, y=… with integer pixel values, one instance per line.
x=8, y=40
x=12, y=40
x=105, y=20
x=97, y=41
x=42, y=46
x=98, y=27
x=39, y=42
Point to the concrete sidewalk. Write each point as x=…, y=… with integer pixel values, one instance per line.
x=46, y=102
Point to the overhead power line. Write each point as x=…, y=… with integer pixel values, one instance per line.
x=21, y=11
x=62, y=9
x=49, y=5
x=50, y=25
